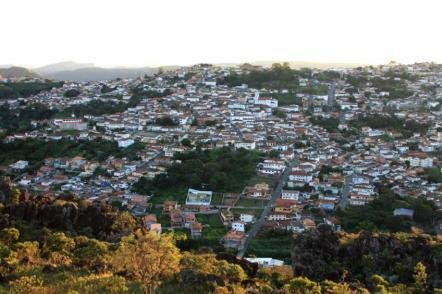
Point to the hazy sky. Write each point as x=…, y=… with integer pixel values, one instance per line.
x=147, y=32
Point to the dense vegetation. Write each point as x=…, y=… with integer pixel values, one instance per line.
x=389, y=122
x=279, y=76
x=397, y=88
x=95, y=108
x=220, y=170
x=284, y=99
x=19, y=120
x=35, y=151
x=68, y=245
x=26, y=89
x=166, y=121
x=330, y=124
x=71, y=93
x=374, y=259
x=378, y=214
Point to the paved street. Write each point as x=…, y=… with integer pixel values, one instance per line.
x=276, y=193
x=345, y=192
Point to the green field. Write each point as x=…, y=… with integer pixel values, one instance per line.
x=213, y=220
x=275, y=244
x=251, y=202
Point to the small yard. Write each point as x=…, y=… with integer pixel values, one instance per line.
x=245, y=202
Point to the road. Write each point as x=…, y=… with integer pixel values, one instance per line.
x=238, y=131
x=345, y=191
x=147, y=163
x=276, y=193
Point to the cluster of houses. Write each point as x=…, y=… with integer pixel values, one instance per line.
x=331, y=167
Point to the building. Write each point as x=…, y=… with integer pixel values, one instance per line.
x=196, y=230
x=290, y=194
x=285, y=206
x=245, y=145
x=234, y=239
x=239, y=226
x=247, y=218
x=21, y=164
x=226, y=216
x=403, y=212
x=168, y=206
x=123, y=143
x=198, y=198
x=265, y=261
x=260, y=190
x=70, y=124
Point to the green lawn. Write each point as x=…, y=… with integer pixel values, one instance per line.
x=270, y=247
x=213, y=220
x=285, y=99
x=217, y=199
x=251, y=202
x=174, y=194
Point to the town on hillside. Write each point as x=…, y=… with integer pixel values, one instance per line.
x=237, y=158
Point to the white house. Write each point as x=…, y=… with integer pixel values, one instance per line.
x=246, y=218
x=245, y=145
x=238, y=226
x=21, y=164
x=265, y=261
x=125, y=143
x=290, y=194
x=300, y=176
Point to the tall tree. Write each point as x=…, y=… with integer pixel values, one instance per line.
x=148, y=258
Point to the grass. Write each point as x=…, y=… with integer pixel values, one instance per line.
x=213, y=220
x=285, y=99
x=217, y=199
x=214, y=234
x=251, y=202
x=174, y=194
x=271, y=247
x=271, y=181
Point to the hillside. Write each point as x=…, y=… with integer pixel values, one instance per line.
x=17, y=72
x=61, y=66
x=71, y=245
x=98, y=73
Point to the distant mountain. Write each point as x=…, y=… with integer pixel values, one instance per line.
x=62, y=66
x=17, y=72
x=310, y=64
x=6, y=65
x=98, y=73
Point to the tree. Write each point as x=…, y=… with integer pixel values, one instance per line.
x=186, y=142
x=58, y=247
x=14, y=196
x=71, y=93
x=124, y=223
x=420, y=276
x=89, y=252
x=379, y=284
x=229, y=271
x=147, y=257
x=28, y=252
x=9, y=235
x=302, y=285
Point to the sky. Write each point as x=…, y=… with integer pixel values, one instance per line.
x=178, y=32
